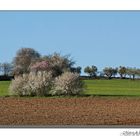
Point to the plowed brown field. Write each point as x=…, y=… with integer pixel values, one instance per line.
x=70, y=111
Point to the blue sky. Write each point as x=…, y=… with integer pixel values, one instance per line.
x=92, y=38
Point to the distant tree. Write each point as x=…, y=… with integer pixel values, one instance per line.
x=109, y=72
x=128, y=72
x=91, y=71
x=138, y=72
x=24, y=58
x=6, y=68
x=76, y=69
x=132, y=72
x=122, y=71
x=87, y=70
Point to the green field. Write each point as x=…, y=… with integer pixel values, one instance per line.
x=113, y=87
x=4, y=85
x=98, y=87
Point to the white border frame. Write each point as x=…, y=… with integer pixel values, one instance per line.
x=69, y=4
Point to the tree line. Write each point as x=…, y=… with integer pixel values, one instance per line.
x=27, y=59
x=110, y=72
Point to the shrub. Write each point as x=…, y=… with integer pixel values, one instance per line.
x=67, y=84
x=32, y=84
x=18, y=85
x=39, y=83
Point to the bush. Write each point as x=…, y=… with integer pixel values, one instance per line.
x=17, y=87
x=39, y=83
x=32, y=84
x=67, y=84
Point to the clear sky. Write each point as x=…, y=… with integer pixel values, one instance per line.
x=92, y=38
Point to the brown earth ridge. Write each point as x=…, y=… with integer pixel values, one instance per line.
x=70, y=111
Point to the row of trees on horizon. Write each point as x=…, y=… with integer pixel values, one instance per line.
x=28, y=59
x=110, y=72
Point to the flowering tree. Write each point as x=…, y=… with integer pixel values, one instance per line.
x=59, y=64
x=40, y=66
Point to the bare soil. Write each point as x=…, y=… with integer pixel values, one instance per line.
x=70, y=111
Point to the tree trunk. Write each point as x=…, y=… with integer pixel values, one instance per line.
x=133, y=76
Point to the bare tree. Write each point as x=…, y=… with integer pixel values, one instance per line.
x=76, y=69
x=6, y=68
x=23, y=59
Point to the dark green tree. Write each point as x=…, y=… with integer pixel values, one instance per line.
x=109, y=72
x=122, y=71
x=91, y=71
